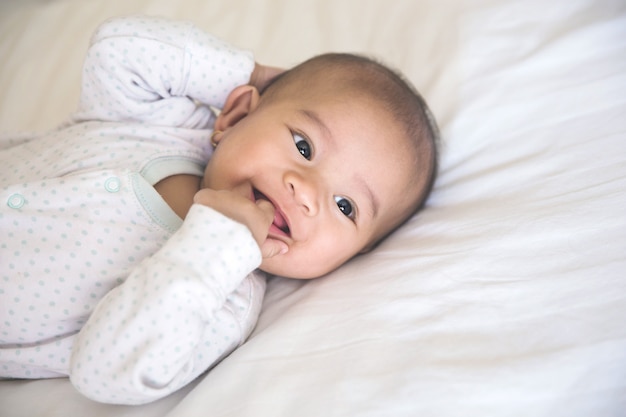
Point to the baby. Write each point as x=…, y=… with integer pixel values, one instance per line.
x=298, y=172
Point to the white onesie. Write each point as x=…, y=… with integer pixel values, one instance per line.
x=99, y=279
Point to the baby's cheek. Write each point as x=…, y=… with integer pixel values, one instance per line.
x=288, y=265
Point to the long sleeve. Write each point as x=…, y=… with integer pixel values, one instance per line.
x=158, y=71
x=175, y=316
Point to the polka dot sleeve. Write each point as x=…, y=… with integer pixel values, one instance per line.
x=156, y=71
x=170, y=320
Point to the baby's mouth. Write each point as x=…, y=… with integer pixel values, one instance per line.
x=279, y=224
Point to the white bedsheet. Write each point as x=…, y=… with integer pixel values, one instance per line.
x=506, y=296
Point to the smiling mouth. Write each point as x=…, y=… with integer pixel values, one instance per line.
x=280, y=223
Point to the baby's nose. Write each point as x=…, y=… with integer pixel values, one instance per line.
x=305, y=192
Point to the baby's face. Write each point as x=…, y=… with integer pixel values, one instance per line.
x=339, y=172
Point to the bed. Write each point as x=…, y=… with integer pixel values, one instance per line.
x=505, y=296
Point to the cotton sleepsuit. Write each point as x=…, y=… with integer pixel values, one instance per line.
x=99, y=279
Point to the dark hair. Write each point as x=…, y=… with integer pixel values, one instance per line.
x=387, y=87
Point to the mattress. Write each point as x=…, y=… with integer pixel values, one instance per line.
x=505, y=296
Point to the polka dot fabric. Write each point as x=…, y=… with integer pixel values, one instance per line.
x=78, y=214
x=183, y=310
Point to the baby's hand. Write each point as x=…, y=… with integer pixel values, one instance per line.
x=263, y=74
x=256, y=216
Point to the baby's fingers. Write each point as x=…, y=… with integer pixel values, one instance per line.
x=267, y=209
x=264, y=217
x=257, y=217
x=272, y=247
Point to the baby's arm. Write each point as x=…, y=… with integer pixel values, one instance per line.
x=143, y=69
x=169, y=321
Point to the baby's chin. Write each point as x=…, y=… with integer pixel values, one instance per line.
x=285, y=268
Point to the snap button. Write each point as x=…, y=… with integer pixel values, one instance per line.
x=16, y=201
x=112, y=185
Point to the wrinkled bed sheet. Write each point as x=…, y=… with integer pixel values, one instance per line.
x=506, y=296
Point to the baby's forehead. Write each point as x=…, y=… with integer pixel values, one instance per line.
x=330, y=75
x=353, y=84
x=350, y=100
x=340, y=79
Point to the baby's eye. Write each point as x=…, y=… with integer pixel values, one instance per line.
x=345, y=206
x=303, y=145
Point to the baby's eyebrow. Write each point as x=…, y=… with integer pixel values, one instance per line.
x=373, y=199
x=317, y=120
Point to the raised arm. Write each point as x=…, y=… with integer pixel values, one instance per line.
x=158, y=71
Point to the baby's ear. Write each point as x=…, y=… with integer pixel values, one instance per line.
x=240, y=102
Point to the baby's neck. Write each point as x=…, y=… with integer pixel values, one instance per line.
x=178, y=192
